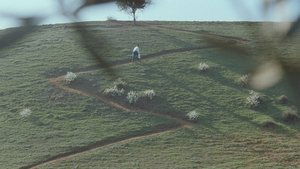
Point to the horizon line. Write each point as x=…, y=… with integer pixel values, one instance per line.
x=62, y=23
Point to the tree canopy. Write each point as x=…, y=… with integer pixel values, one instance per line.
x=131, y=6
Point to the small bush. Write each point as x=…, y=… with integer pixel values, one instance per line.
x=133, y=97
x=193, y=115
x=269, y=124
x=290, y=115
x=114, y=91
x=70, y=77
x=111, y=18
x=25, y=112
x=148, y=94
x=283, y=99
x=120, y=84
x=244, y=80
x=203, y=67
x=254, y=99
x=117, y=89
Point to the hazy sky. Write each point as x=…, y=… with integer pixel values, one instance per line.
x=173, y=10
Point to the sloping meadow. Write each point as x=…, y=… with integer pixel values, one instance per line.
x=39, y=121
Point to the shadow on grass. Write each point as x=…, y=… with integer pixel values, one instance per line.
x=266, y=109
x=214, y=74
x=215, y=107
x=269, y=109
x=157, y=105
x=174, y=39
x=236, y=63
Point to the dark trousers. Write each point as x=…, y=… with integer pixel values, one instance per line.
x=135, y=56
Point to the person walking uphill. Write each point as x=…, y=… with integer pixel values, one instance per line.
x=136, y=54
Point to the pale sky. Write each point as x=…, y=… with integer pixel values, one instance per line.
x=170, y=10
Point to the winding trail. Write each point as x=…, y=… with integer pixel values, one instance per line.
x=180, y=122
x=122, y=140
x=206, y=33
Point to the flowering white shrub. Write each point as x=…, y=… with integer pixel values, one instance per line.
x=70, y=77
x=193, y=115
x=133, y=97
x=148, y=93
x=119, y=83
x=244, y=80
x=203, y=67
x=254, y=99
x=114, y=91
x=25, y=112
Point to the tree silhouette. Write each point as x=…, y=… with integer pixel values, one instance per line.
x=131, y=6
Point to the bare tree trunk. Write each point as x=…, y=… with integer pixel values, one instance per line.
x=134, y=19
x=134, y=16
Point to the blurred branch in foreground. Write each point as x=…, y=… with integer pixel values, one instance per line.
x=265, y=75
x=16, y=34
x=271, y=68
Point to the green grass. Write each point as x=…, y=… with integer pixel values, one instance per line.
x=228, y=135
x=214, y=93
x=200, y=147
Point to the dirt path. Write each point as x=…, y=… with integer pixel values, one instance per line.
x=58, y=83
x=92, y=147
x=127, y=61
x=181, y=123
x=207, y=33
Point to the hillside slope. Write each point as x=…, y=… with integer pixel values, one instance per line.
x=77, y=125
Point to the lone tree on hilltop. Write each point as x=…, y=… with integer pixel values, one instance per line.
x=131, y=6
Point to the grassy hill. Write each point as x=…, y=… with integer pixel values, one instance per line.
x=77, y=125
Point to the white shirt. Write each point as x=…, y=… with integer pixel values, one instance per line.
x=137, y=49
